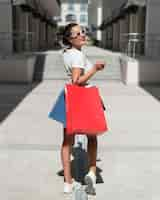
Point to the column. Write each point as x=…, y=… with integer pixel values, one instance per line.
x=47, y=36
x=35, y=30
x=116, y=32
x=123, y=31
x=42, y=35
x=51, y=37
x=99, y=21
x=141, y=29
x=6, y=40
x=23, y=30
x=30, y=30
x=152, y=40
x=19, y=29
x=109, y=37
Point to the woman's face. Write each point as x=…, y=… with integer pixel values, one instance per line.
x=77, y=37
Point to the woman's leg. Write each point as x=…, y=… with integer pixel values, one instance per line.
x=68, y=141
x=92, y=152
x=90, y=178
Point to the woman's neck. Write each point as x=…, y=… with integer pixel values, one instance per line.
x=78, y=48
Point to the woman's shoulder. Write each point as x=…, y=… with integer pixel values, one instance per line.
x=73, y=54
x=72, y=51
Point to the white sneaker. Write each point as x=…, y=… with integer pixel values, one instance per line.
x=69, y=187
x=90, y=181
x=72, y=157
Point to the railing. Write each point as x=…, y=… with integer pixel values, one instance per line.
x=132, y=44
x=136, y=44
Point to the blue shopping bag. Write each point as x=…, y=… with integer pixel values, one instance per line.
x=58, y=112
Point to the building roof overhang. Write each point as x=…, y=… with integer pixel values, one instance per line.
x=47, y=8
x=138, y=3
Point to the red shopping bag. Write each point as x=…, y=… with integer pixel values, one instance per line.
x=84, y=111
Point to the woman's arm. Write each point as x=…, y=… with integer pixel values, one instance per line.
x=79, y=79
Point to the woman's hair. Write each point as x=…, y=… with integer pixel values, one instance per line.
x=67, y=33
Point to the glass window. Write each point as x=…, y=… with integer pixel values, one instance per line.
x=70, y=18
x=83, y=7
x=71, y=7
x=83, y=18
x=84, y=1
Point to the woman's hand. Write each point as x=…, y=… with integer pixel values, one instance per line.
x=79, y=79
x=99, y=65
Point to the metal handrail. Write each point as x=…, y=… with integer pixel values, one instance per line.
x=131, y=42
x=139, y=44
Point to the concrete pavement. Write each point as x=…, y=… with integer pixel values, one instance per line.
x=128, y=155
x=49, y=65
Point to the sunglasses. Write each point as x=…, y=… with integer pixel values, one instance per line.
x=75, y=35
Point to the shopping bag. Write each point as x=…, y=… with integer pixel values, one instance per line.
x=84, y=111
x=58, y=111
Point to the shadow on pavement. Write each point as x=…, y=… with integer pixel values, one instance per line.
x=11, y=95
x=79, y=166
x=153, y=89
x=39, y=67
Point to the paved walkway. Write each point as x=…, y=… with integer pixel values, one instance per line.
x=128, y=155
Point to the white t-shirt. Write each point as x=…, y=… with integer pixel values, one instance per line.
x=75, y=58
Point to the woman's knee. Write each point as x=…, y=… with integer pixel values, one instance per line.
x=68, y=139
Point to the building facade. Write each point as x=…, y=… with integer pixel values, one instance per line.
x=127, y=25
x=124, y=26
x=152, y=29
x=95, y=18
x=28, y=26
x=74, y=11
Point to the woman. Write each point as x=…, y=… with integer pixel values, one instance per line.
x=80, y=70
